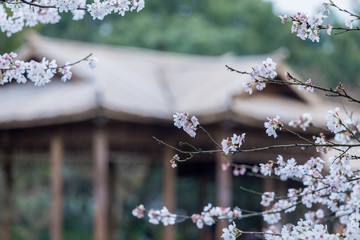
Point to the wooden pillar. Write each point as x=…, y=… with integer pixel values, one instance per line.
x=282, y=190
x=100, y=154
x=56, y=161
x=8, y=195
x=169, y=191
x=113, y=205
x=223, y=190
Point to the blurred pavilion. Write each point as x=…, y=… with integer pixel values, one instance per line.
x=129, y=98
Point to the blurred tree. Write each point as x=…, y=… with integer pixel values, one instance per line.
x=10, y=44
x=212, y=27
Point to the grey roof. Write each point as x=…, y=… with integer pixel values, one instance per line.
x=141, y=85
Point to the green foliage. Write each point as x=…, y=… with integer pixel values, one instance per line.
x=12, y=43
x=212, y=27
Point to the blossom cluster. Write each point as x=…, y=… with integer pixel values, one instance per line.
x=308, y=26
x=347, y=131
x=267, y=198
x=339, y=190
x=239, y=170
x=39, y=73
x=174, y=160
x=139, y=211
x=334, y=122
x=15, y=15
x=211, y=213
x=233, y=144
x=306, y=87
x=189, y=124
x=321, y=140
x=208, y=217
x=230, y=232
x=272, y=125
x=156, y=216
x=303, y=121
x=163, y=216
x=305, y=229
x=308, y=229
x=259, y=75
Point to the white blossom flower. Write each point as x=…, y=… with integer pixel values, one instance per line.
x=306, y=88
x=308, y=26
x=259, y=74
x=303, y=121
x=267, y=198
x=173, y=161
x=334, y=122
x=283, y=18
x=230, y=233
x=189, y=124
x=349, y=23
x=321, y=141
x=138, y=211
x=93, y=62
x=272, y=125
x=16, y=15
x=233, y=144
x=266, y=169
x=329, y=29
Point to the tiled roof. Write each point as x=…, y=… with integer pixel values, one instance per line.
x=139, y=85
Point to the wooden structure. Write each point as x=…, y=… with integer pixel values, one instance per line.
x=129, y=98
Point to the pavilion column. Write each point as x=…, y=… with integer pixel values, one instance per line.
x=101, y=175
x=8, y=195
x=224, y=192
x=169, y=191
x=56, y=161
x=113, y=205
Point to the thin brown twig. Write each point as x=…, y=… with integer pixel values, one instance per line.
x=44, y=6
x=344, y=10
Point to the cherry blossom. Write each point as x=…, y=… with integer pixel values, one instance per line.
x=303, y=121
x=272, y=126
x=305, y=229
x=266, y=169
x=233, y=144
x=334, y=122
x=307, y=87
x=15, y=15
x=138, y=211
x=241, y=170
x=329, y=29
x=325, y=8
x=308, y=26
x=162, y=216
x=260, y=74
x=349, y=23
x=230, y=233
x=39, y=73
x=174, y=160
x=189, y=124
x=267, y=198
x=207, y=217
x=93, y=62
x=321, y=141
x=283, y=18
